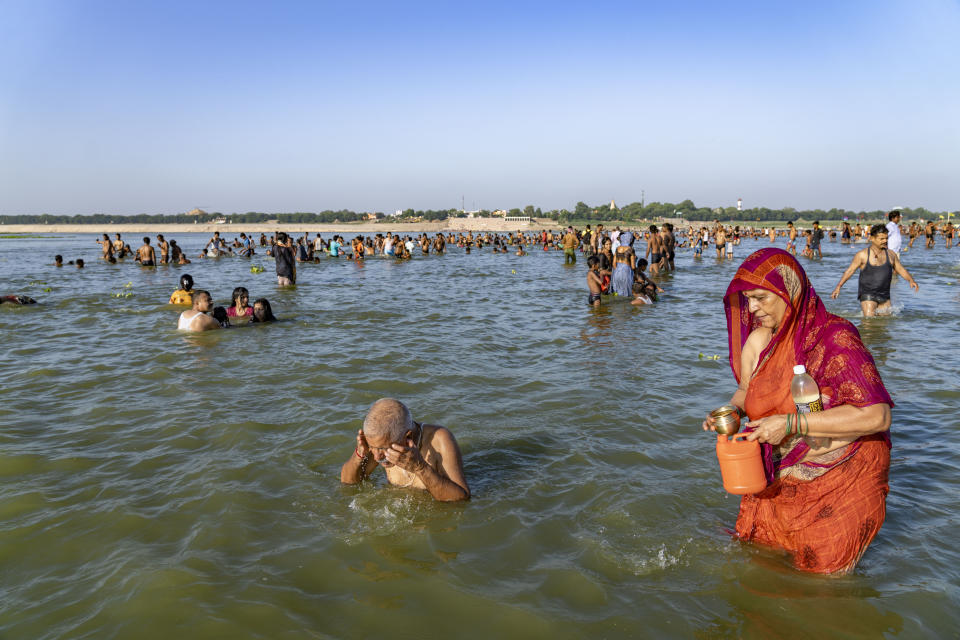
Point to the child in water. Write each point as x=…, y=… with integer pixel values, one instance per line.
x=183, y=295
x=594, y=282
x=220, y=315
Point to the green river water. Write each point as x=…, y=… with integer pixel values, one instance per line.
x=163, y=485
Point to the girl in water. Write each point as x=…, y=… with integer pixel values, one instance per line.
x=262, y=311
x=239, y=307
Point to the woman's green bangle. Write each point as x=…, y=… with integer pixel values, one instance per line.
x=789, y=416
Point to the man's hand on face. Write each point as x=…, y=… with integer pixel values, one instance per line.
x=363, y=449
x=407, y=457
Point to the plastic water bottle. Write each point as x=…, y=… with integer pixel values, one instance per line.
x=806, y=397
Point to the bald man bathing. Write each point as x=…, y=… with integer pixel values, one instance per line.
x=412, y=454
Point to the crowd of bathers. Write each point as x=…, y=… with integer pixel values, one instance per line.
x=614, y=267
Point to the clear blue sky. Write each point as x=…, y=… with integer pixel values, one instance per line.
x=158, y=107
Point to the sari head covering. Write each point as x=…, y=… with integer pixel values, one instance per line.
x=827, y=345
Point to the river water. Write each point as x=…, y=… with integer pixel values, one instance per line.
x=156, y=484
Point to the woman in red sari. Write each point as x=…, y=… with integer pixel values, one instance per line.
x=826, y=492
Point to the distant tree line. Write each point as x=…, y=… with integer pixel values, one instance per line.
x=182, y=218
x=632, y=212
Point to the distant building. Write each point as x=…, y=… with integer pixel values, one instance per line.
x=739, y=204
x=369, y=216
x=613, y=205
x=196, y=212
x=499, y=213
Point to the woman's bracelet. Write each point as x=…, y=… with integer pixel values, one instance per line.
x=789, y=424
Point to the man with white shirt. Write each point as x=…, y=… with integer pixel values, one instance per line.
x=893, y=231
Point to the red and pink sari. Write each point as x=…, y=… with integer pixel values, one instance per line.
x=824, y=511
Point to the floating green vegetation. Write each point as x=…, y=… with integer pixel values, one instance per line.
x=124, y=294
x=18, y=236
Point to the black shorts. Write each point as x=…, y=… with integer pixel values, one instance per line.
x=593, y=297
x=879, y=298
x=655, y=258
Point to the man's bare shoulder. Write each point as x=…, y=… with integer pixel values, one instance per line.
x=439, y=437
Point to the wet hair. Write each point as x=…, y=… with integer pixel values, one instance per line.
x=80, y=262
x=58, y=258
x=266, y=315
x=281, y=237
x=237, y=293
x=220, y=315
x=641, y=263
x=186, y=282
x=893, y=214
x=146, y=240
x=650, y=290
x=593, y=261
x=653, y=228
x=877, y=229
x=388, y=417
x=199, y=293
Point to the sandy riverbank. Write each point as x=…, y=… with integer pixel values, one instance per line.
x=354, y=228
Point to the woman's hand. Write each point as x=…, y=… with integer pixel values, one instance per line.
x=710, y=424
x=772, y=429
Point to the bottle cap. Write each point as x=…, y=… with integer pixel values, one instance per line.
x=797, y=370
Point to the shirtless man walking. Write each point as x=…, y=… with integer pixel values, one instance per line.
x=791, y=238
x=669, y=245
x=164, y=249
x=877, y=265
x=931, y=232
x=720, y=239
x=146, y=254
x=655, y=250
x=412, y=454
x=107, y=247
